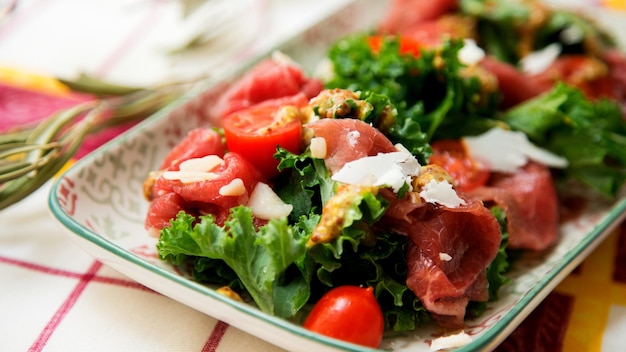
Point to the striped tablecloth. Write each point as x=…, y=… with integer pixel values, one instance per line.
x=55, y=297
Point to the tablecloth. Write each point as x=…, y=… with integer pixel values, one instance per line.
x=55, y=297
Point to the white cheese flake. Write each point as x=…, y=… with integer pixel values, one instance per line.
x=385, y=169
x=445, y=257
x=441, y=193
x=266, y=204
x=450, y=341
x=506, y=151
x=470, y=54
x=572, y=35
x=189, y=176
x=318, y=147
x=195, y=169
x=234, y=188
x=206, y=163
x=538, y=61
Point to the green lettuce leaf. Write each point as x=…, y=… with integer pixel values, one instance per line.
x=503, y=25
x=591, y=135
x=432, y=96
x=500, y=265
x=259, y=258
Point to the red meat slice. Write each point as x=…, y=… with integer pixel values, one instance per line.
x=269, y=79
x=589, y=74
x=403, y=14
x=201, y=197
x=161, y=210
x=515, y=86
x=429, y=34
x=530, y=201
x=468, y=234
x=348, y=140
x=198, y=143
x=208, y=191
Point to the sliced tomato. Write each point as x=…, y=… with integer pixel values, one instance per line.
x=255, y=133
x=452, y=156
x=197, y=143
x=348, y=313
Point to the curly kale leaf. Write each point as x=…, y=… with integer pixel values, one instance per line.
x=433, y=97
x=259, y=258
x=591, y=135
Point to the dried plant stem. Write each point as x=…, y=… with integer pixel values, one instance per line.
x=31, y=157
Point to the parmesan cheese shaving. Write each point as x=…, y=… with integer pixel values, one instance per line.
x=507, y=151
x=445, y=257
x=189, y=176
x=206, y=163
x=441, y=192
x=266, y=204
x=385, y=169
x=195, y=169
x=450, y=341
x=538, y=61
x=233, y=188
x=318, y=147
x=572, y=35
x=470, y=54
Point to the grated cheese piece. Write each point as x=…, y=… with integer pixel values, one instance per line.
x=266, y=204
x=385, y=169
x=318, y=147
x=507, y=151
x=538, y=61
x=445, y=257
x=234, y=188
x=572, y=35
x=189, y=176
x=441, y=192
x=470, y=54
x=206, y=163
x=450, y=341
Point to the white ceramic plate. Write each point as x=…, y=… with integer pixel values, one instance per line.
x=99, y=201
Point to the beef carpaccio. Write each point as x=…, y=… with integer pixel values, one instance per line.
x=427, y=151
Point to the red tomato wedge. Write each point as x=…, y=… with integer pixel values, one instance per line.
x=452, y=156
x=348, y=313
x=255, y=133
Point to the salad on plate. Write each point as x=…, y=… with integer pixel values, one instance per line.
x=396, y=185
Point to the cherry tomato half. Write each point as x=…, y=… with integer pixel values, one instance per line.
x=452, y=156
x=348, y=313
x=255, y=133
